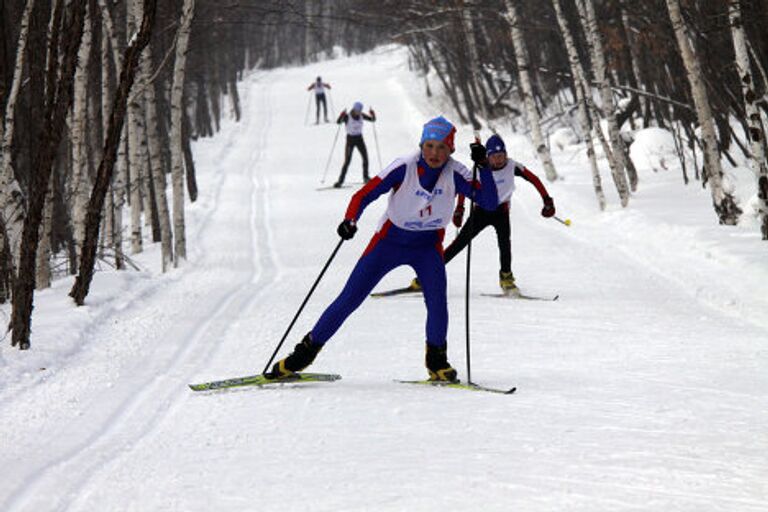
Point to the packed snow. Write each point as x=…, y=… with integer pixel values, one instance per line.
x=644, y=387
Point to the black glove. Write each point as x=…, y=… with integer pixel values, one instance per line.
x=478, y=154
x=458, y=216
x=347, y=229
x=549, y=207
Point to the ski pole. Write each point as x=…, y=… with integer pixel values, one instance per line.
x=567, y=222
x=378, y=151
x=306, y=115
x=471, y=222
x=304, y=303
x=328, y=163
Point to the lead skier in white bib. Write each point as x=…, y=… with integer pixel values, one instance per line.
x=422, y=187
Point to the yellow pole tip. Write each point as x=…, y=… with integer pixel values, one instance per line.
x=567, y=222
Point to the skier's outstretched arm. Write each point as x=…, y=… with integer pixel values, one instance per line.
x=549, y=204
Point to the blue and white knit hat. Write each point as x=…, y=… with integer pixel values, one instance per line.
x=494, y=145
x=440, y=129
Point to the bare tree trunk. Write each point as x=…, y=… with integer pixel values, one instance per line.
x=595, y=43
x=725, y=206
x=526, y=88
x=189, y=161
x=12, y=204
x=135, y=160
x=155, y=161
x=104, y=174
x=634, y=52
x=121, y=174
x=106, y=93
x=80, y=180
x=177, y=106
x=59, y=99
x=578, y=79
x=43, y=274
x=475, y=86
x=755, y=127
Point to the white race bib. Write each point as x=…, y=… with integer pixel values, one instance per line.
x=413, y=208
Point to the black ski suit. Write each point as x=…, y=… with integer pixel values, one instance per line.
x=354, y=141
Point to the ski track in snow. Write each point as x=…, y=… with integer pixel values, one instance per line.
x=635, y=392
x=163, y=389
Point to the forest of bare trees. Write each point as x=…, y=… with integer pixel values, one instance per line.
x=100, y=100
x=695, y=68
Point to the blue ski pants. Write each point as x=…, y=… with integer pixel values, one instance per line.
x=381, y=257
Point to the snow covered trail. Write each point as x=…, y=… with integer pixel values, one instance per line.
x=634, y=393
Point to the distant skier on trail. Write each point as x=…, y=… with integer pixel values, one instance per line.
x=354, y=125
x=319, y=86
x=504, y=171
x=422, y=187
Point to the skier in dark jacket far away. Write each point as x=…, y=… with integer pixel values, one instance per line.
x=422, y=186
x=319, y=86
x=504, y=172
x=354, y=125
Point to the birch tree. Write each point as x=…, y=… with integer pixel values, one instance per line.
x=155, y=166
x=523, y=68
x=135, y=158
x=80, y=182
x=725, y=205
x=595, y=43
x=474, y=85
x=104, y=174
x=119, y=191
x=12, y=203
x=578, y=79
x=754, y=124
x=58, y=101
x=177, y=106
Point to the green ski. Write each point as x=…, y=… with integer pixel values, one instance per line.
x=471, y=386
x=263, y=380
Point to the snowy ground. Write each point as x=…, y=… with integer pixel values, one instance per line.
x=643, y=388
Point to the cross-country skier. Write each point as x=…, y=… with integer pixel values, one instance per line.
x=504, y=172
x=354, y=125
x=319, y=86
x=422, y=187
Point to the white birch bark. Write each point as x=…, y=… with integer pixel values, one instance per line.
x=119, y=192
x=12, y=203
x=177, y=104
x=723, y=202
x=633, y=52
x=80, y=178
x=474, y=59
x=135, y=160
x=754, y=126
x=155, y=161
x=589, y=22
x=526, y=89
x=43, y=268
x=578, y=79
x=106, y=111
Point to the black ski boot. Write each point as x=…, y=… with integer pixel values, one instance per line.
x=302, y=356
x=438, y=366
